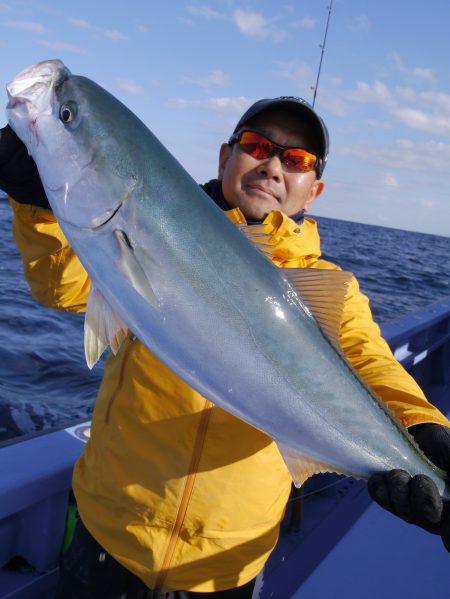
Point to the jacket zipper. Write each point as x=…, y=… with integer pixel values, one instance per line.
x=121, y=377
x=187, y=491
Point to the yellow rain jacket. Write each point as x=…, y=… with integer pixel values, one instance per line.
x=179, y=491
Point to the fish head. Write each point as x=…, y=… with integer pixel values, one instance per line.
x=68, y=124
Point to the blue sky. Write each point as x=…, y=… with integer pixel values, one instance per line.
x=190, y=68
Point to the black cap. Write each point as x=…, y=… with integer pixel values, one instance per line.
x=296, y=106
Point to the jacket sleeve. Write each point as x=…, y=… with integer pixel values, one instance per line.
x=372, y=358
x=52, y=270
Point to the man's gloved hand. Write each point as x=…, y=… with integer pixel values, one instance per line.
x=416, y=499
x=19, y=176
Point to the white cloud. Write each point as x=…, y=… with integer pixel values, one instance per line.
x=423, y=121
x=332, y=97
x=403, y=154
x=254, y=24
x=303, y=78
x=333, y=103
x=428, y=204
x=305, y=23
x=390, y=181
x=298, y=73
x=185, y=20
x=205, y=11
x=429, y=154
x=419, y=72
x=230, y=105
x=80, y=23
x=379, y=124
x=215, y=78
x=439, y=101
x=413, y=117
x=114, y=35
x=406, y=94
x=424, y=73
x=336, y=81
x=295, y=70
x=63, y=46
x=359, y=23
x=427, y=111
x=398, y=62
x=30, y=26
x=377, y=93
x=129, y=86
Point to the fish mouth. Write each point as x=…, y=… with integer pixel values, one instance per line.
x=36, y=81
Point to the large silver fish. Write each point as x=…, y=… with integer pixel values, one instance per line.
x=195, y=290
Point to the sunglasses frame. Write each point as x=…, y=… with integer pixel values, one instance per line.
x=277, y=149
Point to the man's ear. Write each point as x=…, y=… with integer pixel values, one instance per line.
x=224, y=155
x=316, y=189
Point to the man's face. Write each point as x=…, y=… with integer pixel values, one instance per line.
x=259, y=186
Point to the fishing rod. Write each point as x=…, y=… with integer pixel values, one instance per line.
x=322, y=46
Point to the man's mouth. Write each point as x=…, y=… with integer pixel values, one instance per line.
x=261, y=189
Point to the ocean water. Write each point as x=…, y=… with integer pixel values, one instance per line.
x=44, y=381
x=400, y=271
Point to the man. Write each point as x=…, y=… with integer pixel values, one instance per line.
x=175, y=494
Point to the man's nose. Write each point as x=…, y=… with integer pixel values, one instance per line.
x=271, y=167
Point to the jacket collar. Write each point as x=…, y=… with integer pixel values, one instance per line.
x=293, y=245
x=295, y=240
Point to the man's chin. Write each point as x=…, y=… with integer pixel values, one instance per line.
x=258, y=211
x=258, y=215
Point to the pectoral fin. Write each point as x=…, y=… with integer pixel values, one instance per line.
x=102, y=327
x=131, y=268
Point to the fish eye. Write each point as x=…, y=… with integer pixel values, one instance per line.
x=67, y=112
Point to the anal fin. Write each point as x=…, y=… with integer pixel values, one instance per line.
x=303, y=467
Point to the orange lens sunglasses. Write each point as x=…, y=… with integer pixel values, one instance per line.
x=260, y=147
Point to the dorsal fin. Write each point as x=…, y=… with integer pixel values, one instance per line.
x=323, y=292
x=257, y=236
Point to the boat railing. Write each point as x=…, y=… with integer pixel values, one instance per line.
x=421, y=342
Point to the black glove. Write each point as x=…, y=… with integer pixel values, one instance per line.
x=19, y=176
x=416, y=499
